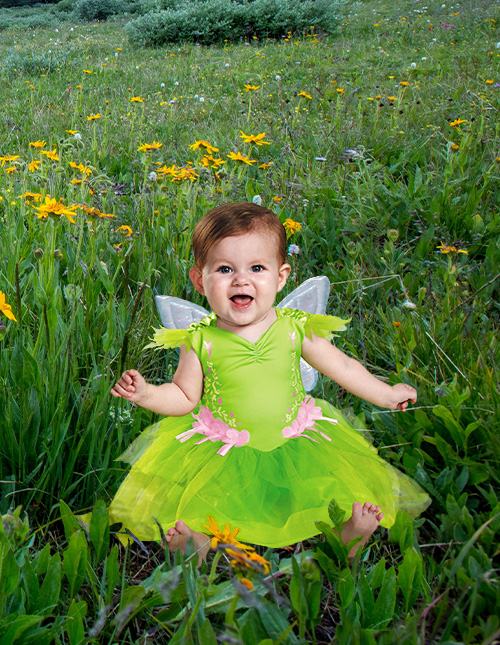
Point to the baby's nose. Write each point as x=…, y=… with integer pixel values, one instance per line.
x=240, y=277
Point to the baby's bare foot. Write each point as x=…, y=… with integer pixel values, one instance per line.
x=363, y=522
x=178, y=536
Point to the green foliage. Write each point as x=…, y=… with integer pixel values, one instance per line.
x=214, y=21
x=91, y=10
x=377, y=184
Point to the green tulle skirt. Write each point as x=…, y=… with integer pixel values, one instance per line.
x=274, y=498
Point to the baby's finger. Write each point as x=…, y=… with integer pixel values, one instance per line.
x=119, y=390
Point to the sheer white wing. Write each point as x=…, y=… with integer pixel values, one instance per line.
x=176, y=313
x=311, y=296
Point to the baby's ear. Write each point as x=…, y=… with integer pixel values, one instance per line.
x=284, y=272
x=197, y=279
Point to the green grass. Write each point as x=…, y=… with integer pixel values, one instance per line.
x=379, y=176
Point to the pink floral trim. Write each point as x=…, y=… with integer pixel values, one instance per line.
x=307, y=415
x=215, y=430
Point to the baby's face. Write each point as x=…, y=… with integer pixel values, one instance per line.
x=241, y=279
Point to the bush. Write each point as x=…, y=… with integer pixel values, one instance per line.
x=14, y=20
x=92, y=10
x=39, y=63
x=207, y=22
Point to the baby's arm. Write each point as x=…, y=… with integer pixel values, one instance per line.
x=352, y=376
x=171, y=399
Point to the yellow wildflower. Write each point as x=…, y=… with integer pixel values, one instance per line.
x=239, y=157
x=38, y=144
x=203, y=144
x=34, y=166
x=255, y=138
x=148, y=147
x=8, y=158
x=291, y=227
x=209, y=161
x=249, y=88
x=87, y=71
x=165, y=171
x=126, y=230
x=73, y=132
x=404, y=83
x=50, y=154
x=186, y=173
x=453, y=124
x=307, y=96
x=264, y=166
x=93, y=117
x=11, y=170
x=136, y=99
x=6, y=309
x=224, y=537
x=54, y=207
x=445, y=248
x=340, y=90
x=250, y=560
x=36, y=196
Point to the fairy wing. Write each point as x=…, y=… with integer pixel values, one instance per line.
x=176, y=313
x=311, y=296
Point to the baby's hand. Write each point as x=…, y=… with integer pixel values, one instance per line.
x=402, y=394
x=131, y=386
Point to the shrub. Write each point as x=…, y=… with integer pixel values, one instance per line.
x=14, y=20
x=210, y=22
x=91, y=10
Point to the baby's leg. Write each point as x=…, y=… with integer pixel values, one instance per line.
x=178, y=536
x=363, y=522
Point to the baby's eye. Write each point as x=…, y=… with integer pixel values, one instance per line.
x=224, y=269
x=257, y=268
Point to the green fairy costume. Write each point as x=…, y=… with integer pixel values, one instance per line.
x=258, y=452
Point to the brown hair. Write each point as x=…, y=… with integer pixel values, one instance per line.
x=235, y=219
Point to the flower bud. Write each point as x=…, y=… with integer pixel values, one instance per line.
x=38, y=253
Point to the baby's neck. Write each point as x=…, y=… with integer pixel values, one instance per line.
x=250, y=332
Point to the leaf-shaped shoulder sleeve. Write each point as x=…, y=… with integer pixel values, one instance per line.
x=323, y=325
x=167, y=338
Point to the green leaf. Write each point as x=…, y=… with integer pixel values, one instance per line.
x=386, y=600
x=297, y=596
x=206, y=634
x=69, y=521
x=31, y=587
x=74, y=625
x=112, y=573
x=336, y=515
x=9, y=569
x=338, y=547
x=129, y=604
x=11, y=628
x=410, y=577
x=366, y=600
x=99, y=530
x=51, y=586
x=376, y=576
x=346, y=587
x=463, y=553
x=402, y=531
x=41, y=560
x=75, y=562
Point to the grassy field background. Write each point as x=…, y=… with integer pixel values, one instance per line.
x=383, y=144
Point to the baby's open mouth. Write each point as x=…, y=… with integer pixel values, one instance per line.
x=241, y=300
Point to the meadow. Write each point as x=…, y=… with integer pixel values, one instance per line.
x=378, y=146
